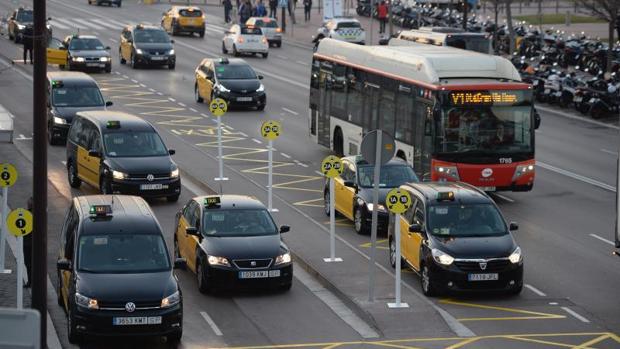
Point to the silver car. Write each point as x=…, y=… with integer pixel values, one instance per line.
x=270, y=29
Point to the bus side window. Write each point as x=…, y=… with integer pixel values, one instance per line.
x=404, y=115
x=355, y=101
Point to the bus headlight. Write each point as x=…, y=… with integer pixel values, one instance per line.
x=522, y=170
x=451, y=172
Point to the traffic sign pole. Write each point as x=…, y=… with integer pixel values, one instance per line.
x=219, y=150
x=397, y=303
x=20, y=272
x=19, y=223
x=331, y=168
x=270, y=130
x=270, y=180
x=3, y=229
x=375, y=211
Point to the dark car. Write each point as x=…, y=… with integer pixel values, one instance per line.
x=354, y=190
x=120, y=153
x=456, y=238
x=69, y=93
x=118, y=3
x=146, y=45
x=233, y=80
x=115, y=276
x=19, y=20
x=87, y=52
x=232, y=242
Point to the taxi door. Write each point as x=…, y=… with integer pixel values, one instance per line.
x=414, y=240
x=68, y=235
x=345, y=195
x=125, y=45
x=166, y=20
x=187, y=243
x=56, y=52
x=93, y=163
x=204, y=79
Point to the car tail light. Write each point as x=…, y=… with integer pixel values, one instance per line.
x=264, y=40
x=240, y=40
x=278, y=30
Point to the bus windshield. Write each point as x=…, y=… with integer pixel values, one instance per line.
x=469, y=42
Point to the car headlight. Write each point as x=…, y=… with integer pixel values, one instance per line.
x=59, y=121
x=21, y=26
x=516, y=256
x=171, y=300
x=138, y=51
x=261, y=88
x=174, y=173
x=283, y=259
x=522, y=170
x=371, y=207
x=448, y=171
x=78, y=59
x=171, y=52
x=86, y=302
x=213, y=260
x=118, y=175
x=222, y=88
x=104, y=59
x=441, y=257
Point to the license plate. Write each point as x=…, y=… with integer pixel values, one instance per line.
x=578, y=99
x=244, y=99
x=94, y=65
x=153, y=186
x=483, y=277
x=261, y=274
x=136, y=320
x=156, y=58
x=547, y=90
x=487, y=188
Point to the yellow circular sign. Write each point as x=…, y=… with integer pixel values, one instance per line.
x=270, y=129
x=331, y=166
x=218, y=107
x=19, y=222
x=398, y=201
x=8, y=175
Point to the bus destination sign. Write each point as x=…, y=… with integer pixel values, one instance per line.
x=486, y=97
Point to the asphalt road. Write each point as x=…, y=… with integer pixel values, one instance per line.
x=566, y=222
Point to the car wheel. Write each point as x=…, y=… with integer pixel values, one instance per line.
x=326, y=203
x=260, y=107
x=278, y=44
x=50, y=136
x=175, y=338
x=427, y=283
x=74, y=180
x=134, y=63
x=171, y=66
x=74, y=336
x=173, y=198
x=105, y=187
x=358, y=221
x=201, y=34
x=197, y=97
x=59, y=299
x=200, y=278
x=265, y=54
x=235, y=52
x=177, y=252
x=224, y=50
x=108, y=69
x=120, y=57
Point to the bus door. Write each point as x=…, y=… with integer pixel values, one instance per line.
x=423, y=139
x=371, y=108
x=323, y=124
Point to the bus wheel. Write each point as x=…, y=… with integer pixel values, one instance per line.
x=338, y=140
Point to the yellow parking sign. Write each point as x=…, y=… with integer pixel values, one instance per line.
x=331, y=166
x=398, y=201
x=270, y=129
x=8, y=175
x=19, y=222
x=218, y=107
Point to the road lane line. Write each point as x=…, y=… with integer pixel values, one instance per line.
x=211, y=323
x=256, y=141
x=319, y=173
x=285, y=155
x=503, y=197
x=578, y=177
x=290, y=111
x=104, y=23
x=142, y=85
x=609, y=242
x=335, y=304
x=88, y=24
x=203, y=115
x=159, y=93
x=575, y=117
x=171, y=99
x=575, y=315
x=134, y=81
x=282, y=57
x=243, y=134
x=535, y=290
x=66, y=22
x=182, y=104
x=302, y=63
x=59, y=25
x=610, y=152
x=193, y=110
x=114, y=41
x=64, y=162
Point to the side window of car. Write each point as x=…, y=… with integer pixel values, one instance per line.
x=196, y=216
x=408, y=215
x=96, y=141
x=72, y=227
x=86, y=134
x=187, y=211
x=76, y=130
x=63, y=230
x=418, y=215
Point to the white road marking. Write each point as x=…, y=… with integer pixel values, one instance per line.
x=58, y=24
x=574, y=314
x=114, y=41
x=302, y=63
x=126, y=77
x=211, y=323
x=243, y=134
x=609, y=242
x=182, y=104
x=503, y=197
x=335, y=304
x=535, y=290
x=65, y=21
x=88, y=24
x=575, y=117
x=610, y=152
x=21, y=137
x=319, y=173
x=578, y=177
x=159, y=93
x=193, y=110
x=282, y=57
x=256, y=141
x=134, y=81
x=142, y=85
x=286, y=155
x=300, y=163
x=64, y=162
x=203, y=115
x=116, y=72
x=290, y=111
x=152, y=89
x=171, y=99
x=230, y=128
x=105, y=24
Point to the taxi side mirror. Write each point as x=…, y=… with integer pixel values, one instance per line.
x=94, y=153
x=191, y=231
x=180, y=263
x=63, y=264
x=350, y=184
x=260, y=77
x=513, y=226
x=536, y=119
x=415, y=228
x=172, y=41
x=109, y=103
x=108, y=48
x=62, y=48
x=285, y=229
x=172, y=151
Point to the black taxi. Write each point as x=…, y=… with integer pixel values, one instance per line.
x=115, y=275
x=146, y=45
x=231, y=242
x=456, y=238
x=120, y=153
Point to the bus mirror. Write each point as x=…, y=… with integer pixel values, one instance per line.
x=536, y=119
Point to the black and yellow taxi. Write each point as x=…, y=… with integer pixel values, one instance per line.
x=67, y=94
x=115, y=275
x=232, y=242
x=146, y=45
x=353, y=190
x=18, y=21
x=120, y=153
x=233, y=80
x=118, y=3
x=85, y=52
x=184, y=19
x=456, y=238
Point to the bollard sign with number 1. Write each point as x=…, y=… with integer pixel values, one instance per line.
x=8, y=177
x=219, y=107
x=397, y=201
x=331, y=167
x=19, y=223
x=270, y=130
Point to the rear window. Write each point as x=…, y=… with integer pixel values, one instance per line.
x=266, y=23
x=348, y=25
x=190, y=13
x=251, y=31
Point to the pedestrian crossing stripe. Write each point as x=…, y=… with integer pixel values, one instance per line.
x=104, y=24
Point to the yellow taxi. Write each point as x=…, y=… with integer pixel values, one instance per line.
x=56, y=52
x=184, y=19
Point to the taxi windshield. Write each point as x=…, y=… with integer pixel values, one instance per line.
x=24, y=16
x=190, y=13
x=241, y=222
x=391, y=176
x=343, y=25
x=251, y=31
x=77, y=96
x=133, y=144
x=151, y=36
x=266, y=23
x=86, y=44
x=234, y=72
x=122, y=253
x=457, y=220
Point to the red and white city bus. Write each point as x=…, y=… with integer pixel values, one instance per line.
x=455, y=114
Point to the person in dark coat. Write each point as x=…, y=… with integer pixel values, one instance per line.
x=27, y=248
x=245, y=12
x=227, y=8
x=307, y=8
x=28, y=42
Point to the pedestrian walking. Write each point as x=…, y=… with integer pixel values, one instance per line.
x=245, y=12
x=307, y=8
x=260, y=10
x=27, y=248
x=273, y=9
x=227, y=8
x=28, y=42
x=382, y=13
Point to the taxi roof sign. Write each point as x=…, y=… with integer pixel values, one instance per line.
x=100, y=210
x=445, y=196
x=212, y=201
x=57, y=83
x=113, y=124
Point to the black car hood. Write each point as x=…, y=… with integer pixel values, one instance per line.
x=68, y=113
x=366, y=194
x=236, y=85
x=141, y=165
x=476, y=247
x=159, y=46
x=142, y=287
x=246, y=247
x=89, y=53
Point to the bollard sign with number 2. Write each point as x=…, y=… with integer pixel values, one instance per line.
x=219, y=107
x=8, y=175
x=270, y=130
x=398, y=202
x=331, y=167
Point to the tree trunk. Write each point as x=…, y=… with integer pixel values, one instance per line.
x=511, y=30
